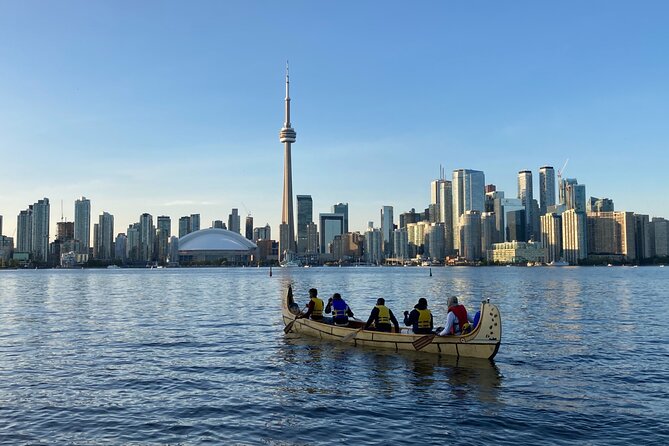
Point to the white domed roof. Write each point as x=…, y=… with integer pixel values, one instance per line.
x=214, y=239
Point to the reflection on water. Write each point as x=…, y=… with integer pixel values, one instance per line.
x=199, y=356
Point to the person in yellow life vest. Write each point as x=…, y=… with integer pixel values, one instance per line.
x=420, y=318
x=382, y=316
x=314, y=307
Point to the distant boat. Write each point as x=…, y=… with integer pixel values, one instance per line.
x=560, y=262
x=290, y=264
x=661, y=266
x=113, y=267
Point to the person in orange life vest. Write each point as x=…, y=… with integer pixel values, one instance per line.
x=420, y=318
x=457, y=319
x=340, y=310
x=382, y=316
x=314, y=307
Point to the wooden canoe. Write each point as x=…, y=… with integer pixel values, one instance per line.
x=482, y=343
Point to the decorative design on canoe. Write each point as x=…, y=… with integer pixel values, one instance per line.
x=480, y=343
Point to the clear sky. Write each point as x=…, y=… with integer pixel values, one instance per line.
x=174, y=108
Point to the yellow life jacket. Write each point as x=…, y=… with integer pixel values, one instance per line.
x=424, y=318
x=318, y=308
x=384, y=314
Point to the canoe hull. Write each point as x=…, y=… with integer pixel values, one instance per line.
x=482, y=343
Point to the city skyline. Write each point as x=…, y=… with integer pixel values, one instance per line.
x=160, y=127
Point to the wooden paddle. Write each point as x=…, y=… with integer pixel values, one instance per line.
x=289, y=326
x=352, y=335
x=423, y=342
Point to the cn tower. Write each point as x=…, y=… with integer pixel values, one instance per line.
x=287, y=136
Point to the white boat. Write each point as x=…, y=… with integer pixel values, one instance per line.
x=560, y=262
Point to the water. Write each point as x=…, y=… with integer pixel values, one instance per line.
x=198, y=356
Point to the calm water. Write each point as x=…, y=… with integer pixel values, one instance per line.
x=198, y=356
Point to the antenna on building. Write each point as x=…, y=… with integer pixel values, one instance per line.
x=248, y=213
x=62, y=215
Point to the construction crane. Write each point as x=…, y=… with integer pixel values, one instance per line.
x=560, y=188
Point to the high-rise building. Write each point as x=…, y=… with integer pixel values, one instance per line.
x=163, y=235
x=470, y=235
x=599, y=205
x=574, y=236
x=234, y=221
x=373, y=245
x=147, y=235
x=184, y=226
x=104, y=237
x=525, y=195
x=468, y=195
x=387, y=228
x=24, y=230
x=611, y=233
x=262, y=233
x=546, y=188
x=40, y=230
x=173, y=257
x=551, y=236
x=488, y=233
x=120, y=247
x=330, y=225
x=515, y=225
x=248, y=228
x=133, y=245
x=660, y=236
x=312, y=238
x=401, y=243
x=194, y=223
x=82, y=224
x=342, y=208
x=418, y=237
x=436, y=243
x=0, y=225
x=218, y=224
x=304, y=217
x=287, y=136
x=642, y=235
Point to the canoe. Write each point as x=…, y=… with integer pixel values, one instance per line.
x=481, y=343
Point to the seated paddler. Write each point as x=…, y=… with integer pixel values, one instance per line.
x=457, y=321
x=314, y=307
x=381, y=316
x=420, y=318
x=340, y=310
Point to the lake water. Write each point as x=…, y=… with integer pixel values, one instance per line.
x=198, y=356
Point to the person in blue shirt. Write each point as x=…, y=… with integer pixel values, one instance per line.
x=340, y=310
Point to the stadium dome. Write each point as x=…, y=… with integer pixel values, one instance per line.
x=215, y=244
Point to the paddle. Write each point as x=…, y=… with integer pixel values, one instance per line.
x=352, y=335
x=423, y=342
x=289, y=326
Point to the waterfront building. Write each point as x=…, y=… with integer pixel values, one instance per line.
x=331, y=225
x=401, y=243
x=6, y=249
x=574, y=236
x=40, y=230
x=611, y=234
x=348, y=246
x=551, y=236
x=411, y=217
x=661, y=236
x=546, y=188
x=387, y=228
x=287, y=136
x=305, y=216
x=518, y=253
x=82, y=224
x=436, y=242
x=562, y=189
x=575, y=195
x=470, y=235
x=642, y=235
x=104, y=237
x=147, y=235
x=184, y=226
x=373, y=245
x=216, y=245
x=525, y=195
x=133, y=247
x=417, y=234
x=262, y=233
x=120, y=247
x=248, y=228
x=488, y=233
x=515, y=226
x=65, y=231
x=24, y=231
x=194, y=223
x=312, y=238
x=468, y=195
x=218, y=224
x=173, y=257
x=0, y=224
x=599, y=205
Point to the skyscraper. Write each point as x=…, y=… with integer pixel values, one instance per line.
x=24, y=230
x=546, y=188
x=105, y=237
x=194, y=223
x=147, y=236
x=184, y=226
x=304, y=217
x=287, y=136
x=234, y=221
x=387, y=229
x=163, y=234
x=0, y=225
x=525, y=195
x=248, y=227
x=40, y=230
x=468, y=195
x=82, y=224
x=342, y=208
x=331, y=225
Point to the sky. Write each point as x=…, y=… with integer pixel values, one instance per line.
x=174, y=108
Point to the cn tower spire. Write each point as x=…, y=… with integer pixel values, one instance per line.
x=287, y=136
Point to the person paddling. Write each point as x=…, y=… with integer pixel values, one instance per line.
x=457, y=321
x=382, y=316
x=340, y=310
x=420, y=318
x=314, y=307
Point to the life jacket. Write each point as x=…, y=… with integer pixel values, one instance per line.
x=317, y=312
x=339, y=311
x=424, y=318
x=384, y=315
x=461, y=320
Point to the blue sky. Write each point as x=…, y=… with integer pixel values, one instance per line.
x=174, y=108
